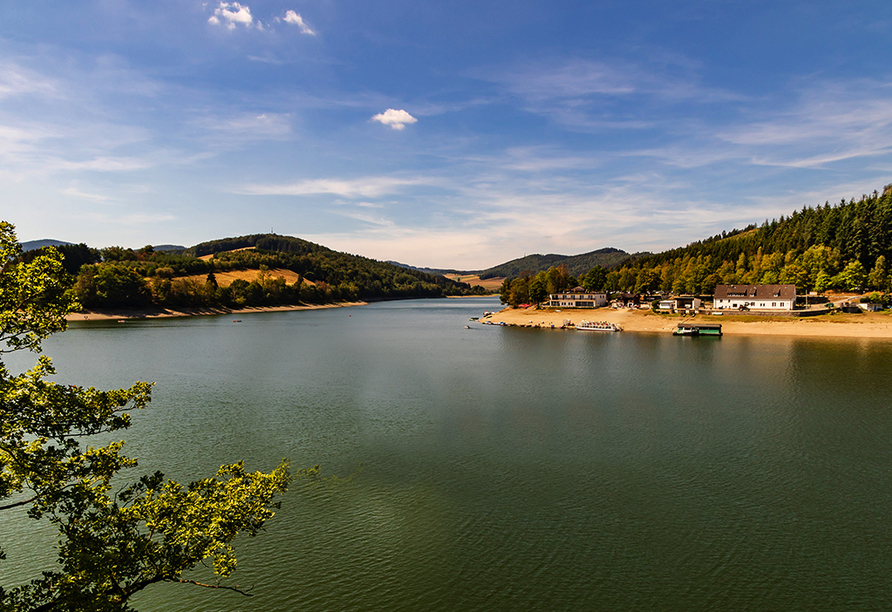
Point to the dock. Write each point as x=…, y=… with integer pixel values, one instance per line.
x=698, y=329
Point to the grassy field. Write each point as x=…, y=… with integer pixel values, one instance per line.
x=224, y=279
x=490, y=284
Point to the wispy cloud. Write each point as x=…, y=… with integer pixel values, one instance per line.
x=295, y=19
x=375, y=220
x=368, y=187
x=246, y=127
x=16, y=80
x=827, y=123
x=581, y=80
x=74, y=192
x=397, y=119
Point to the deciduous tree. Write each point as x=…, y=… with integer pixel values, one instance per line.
x=112, y=544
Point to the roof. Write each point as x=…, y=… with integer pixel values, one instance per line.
x=759, y=292
x=576, y=291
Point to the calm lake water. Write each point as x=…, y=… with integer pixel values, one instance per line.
x=513, y=469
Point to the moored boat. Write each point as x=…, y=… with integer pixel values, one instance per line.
x=598, y=326
x=698, y=329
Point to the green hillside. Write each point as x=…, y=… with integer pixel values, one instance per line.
x=844, y=246
x=141, y=278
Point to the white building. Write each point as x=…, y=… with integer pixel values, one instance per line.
x=681, y=302
x=754, y=297
x=577, y=298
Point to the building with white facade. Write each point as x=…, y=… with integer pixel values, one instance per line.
x=754, y=297
x=682, y=302
x=577, y=298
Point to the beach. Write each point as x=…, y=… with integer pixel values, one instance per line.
x=150, y=313
x=858, y=325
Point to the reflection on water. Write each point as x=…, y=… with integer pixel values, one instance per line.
x=516, y=469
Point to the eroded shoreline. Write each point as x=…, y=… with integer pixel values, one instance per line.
x=123, y=314
x=862, y=325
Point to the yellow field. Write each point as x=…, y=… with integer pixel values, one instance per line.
x=224, y=279
x=492, y=284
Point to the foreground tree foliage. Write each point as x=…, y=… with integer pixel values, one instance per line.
x=114, y=541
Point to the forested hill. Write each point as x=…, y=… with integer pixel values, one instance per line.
x=264, y=242
x=577, y=265
x=256, y=270
x=843, y=246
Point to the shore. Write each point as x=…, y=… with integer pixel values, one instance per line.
x=861, y=325
x=148, y=313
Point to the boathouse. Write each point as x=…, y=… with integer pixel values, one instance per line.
x=698, y=329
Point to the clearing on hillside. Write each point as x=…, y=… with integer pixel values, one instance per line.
x=490, y=284
x=224, y=279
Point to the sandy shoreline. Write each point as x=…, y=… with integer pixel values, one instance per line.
x=861, y=325
x=89, y=315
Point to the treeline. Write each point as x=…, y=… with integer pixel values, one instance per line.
x=529, y=289
x=117, y=277
x=844, y=246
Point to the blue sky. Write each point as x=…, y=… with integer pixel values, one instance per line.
x=459, y=134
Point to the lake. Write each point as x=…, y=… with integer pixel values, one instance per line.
x=491, y=469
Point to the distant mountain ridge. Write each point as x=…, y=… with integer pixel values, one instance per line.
x=434, y=271
x=33, y=245
x=577, y=265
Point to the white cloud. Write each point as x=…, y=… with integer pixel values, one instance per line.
x=295, y=19
x=397, y=119
x=74, y=192
x=15, y=80
x=367, y=187
x=232, y=13
x=246, y=127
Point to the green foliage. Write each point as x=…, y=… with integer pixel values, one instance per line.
x=595, y=279
x=853, y=277
x=33, y=302
x=128, y=278
x=111, y=285
x=538, y=290
x=879, y=276
x=111, y=545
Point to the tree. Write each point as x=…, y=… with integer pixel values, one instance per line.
x=111, y=544
x=853, y=277
x=520, y=291
x=595, y=279
x=878, y=276
x=505, y=290
x=538, y=290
